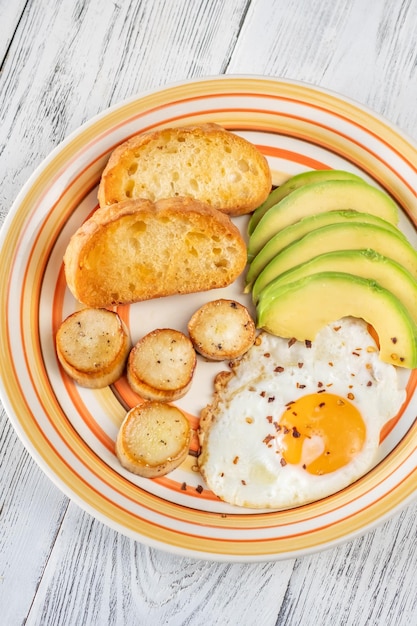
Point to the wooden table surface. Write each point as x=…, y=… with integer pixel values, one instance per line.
x=64, y=62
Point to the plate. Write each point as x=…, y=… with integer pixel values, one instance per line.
x=70, y=431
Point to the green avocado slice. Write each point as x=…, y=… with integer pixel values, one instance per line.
x=364, y=263
x=343, y=236
x=291, y=233
x=300, y=309
x=293, y=183
x=318, y=198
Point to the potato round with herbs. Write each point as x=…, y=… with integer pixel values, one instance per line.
x=92, y=346
x=222, y=329
x=161, y=365
x=153, y=439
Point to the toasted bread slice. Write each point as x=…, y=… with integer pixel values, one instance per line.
x=161, y=365
x=205, y=162
x=92, y=346
x=137, y=250
x=154, y=439
x=222, y=329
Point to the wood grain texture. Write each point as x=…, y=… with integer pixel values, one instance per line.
x=10, y=14
x=31, y=511
x=363, y=51
x=63, y=62
x=96, y=54
x=139, y=585
x=360, y=583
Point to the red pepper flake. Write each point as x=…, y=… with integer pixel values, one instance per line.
x=268, y=439
x=263, y=394
x=267, y=355
x=330, y=364
x=199, y=489
x=269, y=418
x=286, y=430
x=294, y=413
x=300, y=365
x=184, y=487
x=319, y=384
x=355, y=353
x=235, y=460
x=321, y=391
x=394, y=339
x=308, y=343
x=271, y=399
x=279, y=369
x=300, y=386
x=322, y=404
x=243, y=482
x=295, y=433
x=369, y=383
x=283, y=462
x=277, y=426
x=304, y=466
x=351, y=396
x=292, y=342
x=337, y=328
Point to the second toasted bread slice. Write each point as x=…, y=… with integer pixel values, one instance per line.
x=205, y=162
x=137, y=250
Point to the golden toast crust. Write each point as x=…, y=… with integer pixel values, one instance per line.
x=137, y=250
x=204, y=162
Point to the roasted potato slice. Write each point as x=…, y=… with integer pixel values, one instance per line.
x=92, y=346
x=222, y=329
x=161, y=365
x=153, y=439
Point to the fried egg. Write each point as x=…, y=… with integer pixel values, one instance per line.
x=294, y=422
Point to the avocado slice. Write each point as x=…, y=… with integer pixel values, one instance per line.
x=295, y=231
x=330, y=195
x=293, y=183
x=364, y=263
x=342, y=236
x=329, y=296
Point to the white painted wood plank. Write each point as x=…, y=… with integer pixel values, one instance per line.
x=138, y=585
x=10, y=13
x=71, y=60
x=364, y=51
x=370, y=581
x=31, y=511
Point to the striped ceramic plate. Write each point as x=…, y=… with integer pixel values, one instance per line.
x=71, y=431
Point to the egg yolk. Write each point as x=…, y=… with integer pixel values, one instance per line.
x=323, y=432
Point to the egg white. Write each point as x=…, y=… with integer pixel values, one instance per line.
x=240, y=457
